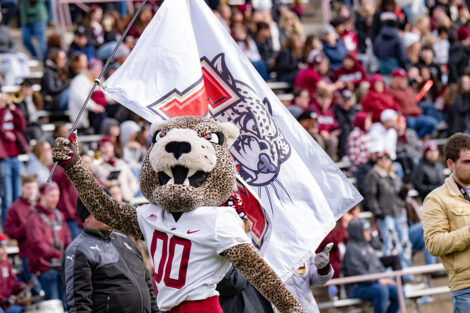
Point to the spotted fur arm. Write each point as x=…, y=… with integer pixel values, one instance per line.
x=119, y=215
x=247, y=261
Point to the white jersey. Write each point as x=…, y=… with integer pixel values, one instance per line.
x=186, y=261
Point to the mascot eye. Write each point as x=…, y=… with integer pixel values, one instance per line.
x=217, y=138
x=159, y=134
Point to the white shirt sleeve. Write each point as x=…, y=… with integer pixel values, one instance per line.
x=229, y=230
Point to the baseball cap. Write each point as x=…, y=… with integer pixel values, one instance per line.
x=388, y=115
x=346, y=94
x=309, y=114
x=399, y=72
x=47, y=187
x=80, y=31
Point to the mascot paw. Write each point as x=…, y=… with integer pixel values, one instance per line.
x=65, y=151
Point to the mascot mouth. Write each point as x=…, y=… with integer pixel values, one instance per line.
x=181, y=175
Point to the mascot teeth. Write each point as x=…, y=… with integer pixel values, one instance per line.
x=180, y=175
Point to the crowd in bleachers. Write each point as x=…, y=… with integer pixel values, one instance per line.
x=374, y=86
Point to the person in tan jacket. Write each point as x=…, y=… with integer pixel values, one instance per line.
x=446, y=221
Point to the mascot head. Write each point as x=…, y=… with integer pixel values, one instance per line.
x=189, y=164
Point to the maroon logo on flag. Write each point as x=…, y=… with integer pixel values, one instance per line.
x=261, y=148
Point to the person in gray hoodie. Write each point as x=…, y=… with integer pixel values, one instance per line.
x=360, y=259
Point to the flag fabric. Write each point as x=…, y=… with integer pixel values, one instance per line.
x=186, y=63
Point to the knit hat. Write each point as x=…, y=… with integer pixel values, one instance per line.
x=375, y=78
x=47, y=187
x=388, y=115
x=82, y=211
x=429, y=146
x=3, y=240
x=103, y=140
x=463, y=33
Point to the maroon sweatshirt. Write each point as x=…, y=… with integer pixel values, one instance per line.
x=68, y=195
x=8, y=282
x=12, y=124
x=16, y=223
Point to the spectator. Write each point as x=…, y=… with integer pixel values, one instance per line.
x=428, y=174
x=16, y=221
x=111, y=29
x=225, y=15
x=412, y=44
x=110, y=128
x=441, y=46
x=40, y=161
x=110, y=164
x=409, y=149
x=327, y=124
x=133, y=150
x=249, y=48
x=12, y=144
x=290, y=24
x=405, y=96
x=357, y=144
x=91, y=275
x=458, y=114
x=9, y=283
x=95, y=29
x=308, y=120
x=427, y=59
x=345, y=112
x=288, y=60
x=382, y=197
x=80, y=86
x=29, y=102
x=333, y=47
x=458, y=55
x=33, y=18
x=312, y=77
x=312, y=43
x=347, y=35
x=80, y=44
x=446, y=222
x=141, y=22
x=351, y=73
x=360, y=259
x=264, y=43
x=389, y=13
x=363, y=23
x=47, y=236
x=54, y=82
x=300, y=103
x=377, y=99
x=388, y=48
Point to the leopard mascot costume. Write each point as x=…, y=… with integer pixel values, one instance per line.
x=186, y=175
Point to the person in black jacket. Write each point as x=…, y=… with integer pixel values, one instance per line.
x=344, y=114
x=103, y=271
x=458, y=114
x=288, y=60
x=428, y=174
x=54, y=82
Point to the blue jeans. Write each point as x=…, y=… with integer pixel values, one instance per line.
x=51, y=282
x=74, y=229
x=27, y=277
x=461, y=303
x=416, y=234
x=64, y=100
x=379, y=295
x=12, y=309
x=38, y=30
x=394, y=232
x=12, y=168
x=423, y=124
x=429, y=108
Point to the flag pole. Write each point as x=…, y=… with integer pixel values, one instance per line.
x=97, y=80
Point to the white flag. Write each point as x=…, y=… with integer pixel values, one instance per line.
x=185, y=63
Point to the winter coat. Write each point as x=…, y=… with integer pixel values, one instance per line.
x=335, y=54
x=9, y=284
x=406, y=99
x=458, y=61
x=381, y=193
x=359, y=258
x=356, y=75
x=458, y=114
x=307, y=78
x=375, y=102
x=345, y=120
x=41, y=247
x=52, y=87
x=237, y=295
x=446, y=217
x=9, y=149
x=16, y=223
x=325, y=119
x=88, y=50
x=300, y=284
x=266, y=50
x=286, y=66
x=105, y=273
x=388, y=45
x=427, y=176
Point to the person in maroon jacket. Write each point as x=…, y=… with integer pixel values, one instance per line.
x=377, y=99
x=9, y=284
x=351, y=73
x=48, y=236
x=17, y=218
x=68, y=202
x=12, y=144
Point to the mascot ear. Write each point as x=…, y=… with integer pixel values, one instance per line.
x=156, y=126
x=231, y=133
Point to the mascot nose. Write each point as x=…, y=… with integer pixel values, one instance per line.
x=178, y=148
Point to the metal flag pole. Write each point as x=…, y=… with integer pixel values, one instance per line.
x=97, y=81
